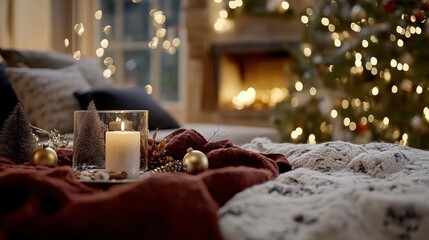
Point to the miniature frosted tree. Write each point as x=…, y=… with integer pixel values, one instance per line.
x=17, y=142
x=89, y=144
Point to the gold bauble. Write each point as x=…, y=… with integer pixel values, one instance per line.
x=196, y=161
x=45, y=156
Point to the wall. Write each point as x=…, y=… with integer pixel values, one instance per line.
x=26, y=24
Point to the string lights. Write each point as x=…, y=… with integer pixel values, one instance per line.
x=164, y=37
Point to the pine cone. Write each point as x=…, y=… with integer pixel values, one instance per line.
x=156, y=152
x=175, y=166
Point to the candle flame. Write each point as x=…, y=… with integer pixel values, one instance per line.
x=122, y=126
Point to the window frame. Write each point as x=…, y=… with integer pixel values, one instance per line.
x=118, y=47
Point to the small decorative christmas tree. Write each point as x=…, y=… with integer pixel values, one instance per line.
x=89, y=145
x=17, y=142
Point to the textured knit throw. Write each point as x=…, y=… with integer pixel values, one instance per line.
x=336, y=190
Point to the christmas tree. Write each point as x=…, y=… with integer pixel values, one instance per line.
x=16, y=137
x=361, y=74
x=89, y=144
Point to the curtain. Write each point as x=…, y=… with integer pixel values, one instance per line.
x=45, y=24
x=26, y=24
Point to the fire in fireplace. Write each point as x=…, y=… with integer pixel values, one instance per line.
x=251, y=76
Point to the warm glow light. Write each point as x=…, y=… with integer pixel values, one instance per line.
x=98, y=14
x=419, y=89
x=66, y=42
x=166, y=44
x=311, y=139
x=365, y=43
x=346, y=121
x=232, y=4
x=418, y=30
x=386, y=121
x=159, y=17
x=285, y=5
x=405, y=137
x=161, y=32
x=337, y=43
x=307, y=52
x=107, y=73
x=108, y=61
x=324, y=21
x=79, y=29
x=405, y=67
x=394, y=89
x=107, y=29
x=299, y=86
x=104, y=43
x=355, y=27
x=244, y=98
x=77, y=55
x=358, y=56
x=294, y=102
x=99, y=52
x=352, y=126
x=334, y=113
x=313, y=91
x=153, y=43
x=223, y=13
x=344, y=104
x=304, y=19
x=374, y=91
x=176, y=42
x=112, y=68
x=148, y=89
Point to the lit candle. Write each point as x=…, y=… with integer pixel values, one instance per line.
x=123, y=151
x=117, y=125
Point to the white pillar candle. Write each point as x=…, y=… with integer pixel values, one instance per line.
x=123, y=152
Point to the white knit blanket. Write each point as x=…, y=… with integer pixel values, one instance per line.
x=336, y=190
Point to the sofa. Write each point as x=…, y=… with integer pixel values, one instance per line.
x=51, y=86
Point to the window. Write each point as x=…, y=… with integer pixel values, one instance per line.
x=139, y=40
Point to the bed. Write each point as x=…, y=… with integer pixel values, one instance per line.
x=259, y=190
x=255, y=187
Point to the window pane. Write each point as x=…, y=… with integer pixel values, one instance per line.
x=171, y=9
x=136, y=67
x=108, y=9
x=169, y=76
x=170, y=60
x=137, y=25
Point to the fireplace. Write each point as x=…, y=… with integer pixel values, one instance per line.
x=251, y=76
x=236, y=76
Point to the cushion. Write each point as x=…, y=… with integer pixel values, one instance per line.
x=46, y=95
x=8, y=97
x=128, y=99
x=89, y=67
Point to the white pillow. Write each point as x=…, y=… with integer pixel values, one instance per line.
x=47, y=96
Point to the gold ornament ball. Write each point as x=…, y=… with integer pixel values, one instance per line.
x=45, y=156
x=196, y=161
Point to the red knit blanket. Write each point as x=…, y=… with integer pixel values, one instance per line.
x=41, y=203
